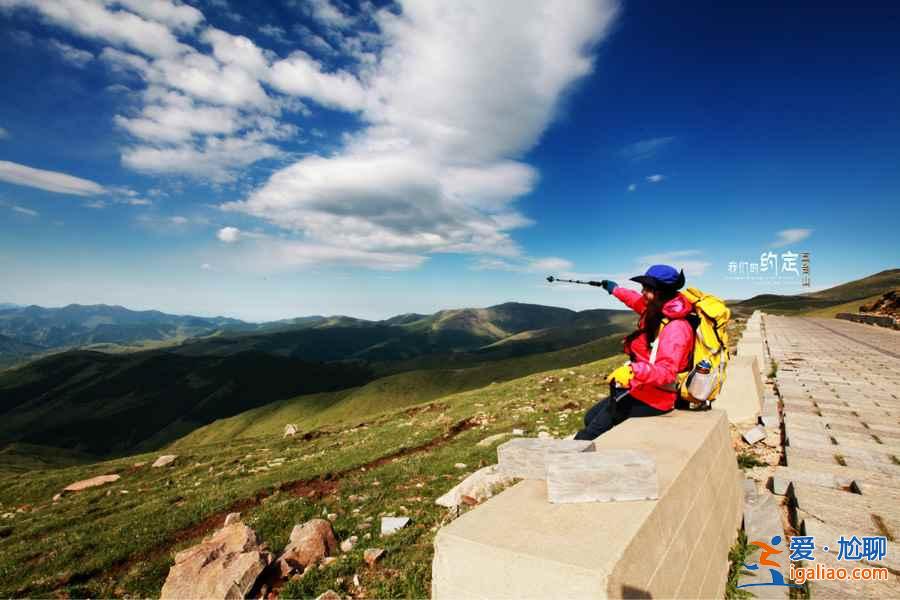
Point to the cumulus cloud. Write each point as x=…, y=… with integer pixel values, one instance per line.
x=655, y=178
x=436, y=170
x=786, y=237
x=645, y=149
x=51, y=181
x=229, y=235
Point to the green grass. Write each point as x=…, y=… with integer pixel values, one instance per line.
x=390, y=393
x=737, y=556
x=850, y=307
x=746, y=460
x=105, y=543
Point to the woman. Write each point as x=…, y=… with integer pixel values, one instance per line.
x=640, y=385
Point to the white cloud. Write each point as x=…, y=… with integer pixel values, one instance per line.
x=645, y=149
x=24, y=211
x=52, y=181
x=326, y=13
x=460, y=92
x=119, y=27
x=692, y=261
x=655, y=178
x=550, y=264
x=71, y=54
x=178, y=220
x=180, y=17
x=269, y=255
x=275, y=32
x=174, y=117
x=214, y=158
x=786, y=237
x=229, y=235
x=632, y=187
x=206, y=267
x=301, y=75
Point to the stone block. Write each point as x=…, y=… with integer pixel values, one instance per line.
x=526, y=457
x=756, y=434
x=519, y=545
x=741, y=395
x=601, y=476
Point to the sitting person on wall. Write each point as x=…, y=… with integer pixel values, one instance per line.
x=658, y=351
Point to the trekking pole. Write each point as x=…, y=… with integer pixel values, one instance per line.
x=551, y=279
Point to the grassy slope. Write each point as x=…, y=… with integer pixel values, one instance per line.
x=857, y=291
x=392, y=392
x=851, y=307
x=106, y=542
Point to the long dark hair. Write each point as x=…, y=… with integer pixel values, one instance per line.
x=652, y=317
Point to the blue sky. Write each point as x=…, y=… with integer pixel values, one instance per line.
x=320, y=157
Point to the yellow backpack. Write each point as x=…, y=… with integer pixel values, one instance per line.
x=709, y=319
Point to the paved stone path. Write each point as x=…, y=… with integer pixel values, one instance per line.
x=839, y=384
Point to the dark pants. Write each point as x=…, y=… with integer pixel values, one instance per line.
x=603, y=416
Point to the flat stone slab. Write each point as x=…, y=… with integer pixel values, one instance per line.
x=92, y=482
x=601, y=476
x=164, y=460
x=756, y=434
x=390, y=525
x=526, y=457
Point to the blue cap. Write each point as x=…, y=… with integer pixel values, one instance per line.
x=661, y=277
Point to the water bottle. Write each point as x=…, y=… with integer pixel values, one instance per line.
x=702, y=381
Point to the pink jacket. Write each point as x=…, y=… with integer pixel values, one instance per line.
x=672, y=356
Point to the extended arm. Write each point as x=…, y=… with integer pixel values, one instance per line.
x=634, y=300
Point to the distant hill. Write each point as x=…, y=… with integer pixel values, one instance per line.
x=822, y=300
x=103, y=403
x=37, y=329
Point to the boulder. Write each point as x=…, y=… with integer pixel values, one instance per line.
x=290, y=430
x=165, y=459
x=225, y=565
x=309, y=543
x=92, y=482
x=232, y=518
x=477, y=486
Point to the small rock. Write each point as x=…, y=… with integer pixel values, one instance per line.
x=390, y=525
x=367, y=536
x=165, y=459
x=754, y=435
x=232, y=518
x=328, y=560
x=332, y=517
x=460, y=465
x=347, y=545
x=372, y=554
x=329, y=595
x=518, y=432
x=544, y=435
x=57, y=497
x=356, y=580
x=138, y=465
x=290, y=430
